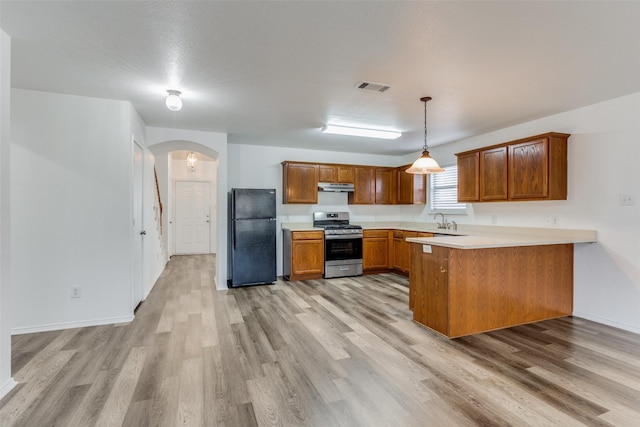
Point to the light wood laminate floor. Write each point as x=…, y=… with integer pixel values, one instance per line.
x=339, y=352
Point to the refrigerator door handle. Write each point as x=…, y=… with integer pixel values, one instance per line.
x=233, y=238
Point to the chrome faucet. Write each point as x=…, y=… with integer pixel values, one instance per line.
x=443, y=224
x=453, y=226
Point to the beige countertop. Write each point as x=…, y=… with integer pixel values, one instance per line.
x=474, y=236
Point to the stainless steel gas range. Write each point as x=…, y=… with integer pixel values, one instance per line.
x=342, y=244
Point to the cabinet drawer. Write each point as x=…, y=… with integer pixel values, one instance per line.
x=375, y=233
x=398, y=235
x=307, y=235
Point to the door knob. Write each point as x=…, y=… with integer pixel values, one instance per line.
x=143, y=233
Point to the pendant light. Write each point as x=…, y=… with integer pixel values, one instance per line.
x=192, y=161
x=425, y=164
x=173, y=102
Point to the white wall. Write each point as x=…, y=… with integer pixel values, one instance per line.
x=6, y=381
x=206, y=171
x=70, y=200
x=603, y=154
x=161, y=141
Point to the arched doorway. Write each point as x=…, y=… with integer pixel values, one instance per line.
x=162, y=142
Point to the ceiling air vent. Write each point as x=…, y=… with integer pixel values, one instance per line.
x=373, y=87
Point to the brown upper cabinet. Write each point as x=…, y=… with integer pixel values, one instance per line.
x=299, y=182
x=538, y=168
x=385, y=188
x=411, y=188
x=468, y=177
x=372, y=185
x=533, y=168
x=365, y=186
x=336, y=174
x=493, y=174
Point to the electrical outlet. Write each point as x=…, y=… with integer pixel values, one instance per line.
x=627, y=199
x=551, y=221
x=75, y=292
x=494, y=219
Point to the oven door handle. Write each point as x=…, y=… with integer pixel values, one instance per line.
x=343, y=236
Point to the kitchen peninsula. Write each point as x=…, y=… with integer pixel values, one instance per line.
x=467, y=284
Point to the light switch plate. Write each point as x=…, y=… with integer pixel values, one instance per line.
x=627, y=199
x=426, y=249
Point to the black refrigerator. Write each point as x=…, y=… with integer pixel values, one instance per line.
x=252, y=237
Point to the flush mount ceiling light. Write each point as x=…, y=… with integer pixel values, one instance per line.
x=174, y=103
x=192, y=161
x=368, y=133
x=425, y=164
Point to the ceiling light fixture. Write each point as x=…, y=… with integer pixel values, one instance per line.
x=369, y=133
x=425, y=164
x=174, y=103
x=192, y=161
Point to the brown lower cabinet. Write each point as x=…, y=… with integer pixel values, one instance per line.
x=303, y=255
x=375, y=251
x=459, y=292
x=401, y=256
x=385, y=250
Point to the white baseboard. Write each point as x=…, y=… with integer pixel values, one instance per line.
x=70, y=325
x=608, y=322
x=7, y=387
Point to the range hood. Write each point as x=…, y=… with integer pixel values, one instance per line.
x=335, y=188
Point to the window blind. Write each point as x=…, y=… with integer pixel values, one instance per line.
x=444, y=190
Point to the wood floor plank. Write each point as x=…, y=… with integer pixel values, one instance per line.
x=337, y=352
x=47, y=369
x=190, y=401
x=117, y=404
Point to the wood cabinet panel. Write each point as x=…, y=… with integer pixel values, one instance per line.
x=431, y=310
x=303, y=254
x=375, y=248
x=528, y=170
x=375, y=233
x=346, y=175
x=489, y=289
x=307, y=257
x=411, y=189
x=307, y=235
x=493, y=174
x=327, y=173
x=469, y=177
x=401, y=257
x=335, y=173
x=299, y=183
x=406, y=255
x=396, y=245
x=385, y=180
x=533, y=168
x=364, y=186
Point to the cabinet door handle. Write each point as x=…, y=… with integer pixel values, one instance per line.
x=443, y=270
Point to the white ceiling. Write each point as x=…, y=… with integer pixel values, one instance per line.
x=273, y=73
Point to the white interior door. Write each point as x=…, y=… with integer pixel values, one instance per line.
x=192, y=217
x=138, y=230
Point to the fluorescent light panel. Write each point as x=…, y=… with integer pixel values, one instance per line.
x=368, y=133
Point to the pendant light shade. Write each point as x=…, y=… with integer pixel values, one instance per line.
x=425, y=164
x=173, y=102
